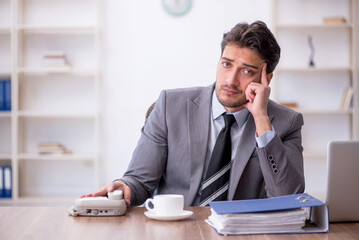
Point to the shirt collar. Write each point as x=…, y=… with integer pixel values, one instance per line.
x=218, y=109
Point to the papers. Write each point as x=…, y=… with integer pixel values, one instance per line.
x=286, y=214
x=250, y=223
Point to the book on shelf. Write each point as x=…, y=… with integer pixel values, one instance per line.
x=334, y=20
x=298, y=213
x=55, y=60
x=347, y=98
x=51, y=148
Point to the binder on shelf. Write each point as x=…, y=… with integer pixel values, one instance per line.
x=7, y=181
x=298, y=213
x=2, y=95
x=7, y=95
x=2, y=189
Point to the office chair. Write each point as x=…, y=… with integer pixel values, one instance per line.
x=149, y=110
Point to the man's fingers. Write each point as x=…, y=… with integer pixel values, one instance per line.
x=264, y=79
x=110, y=187
x=120, y=185
x=251, y=92
x=250, y=97
x=102, y=192
x=86, y=195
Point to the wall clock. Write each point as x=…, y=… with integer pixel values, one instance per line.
x=177, y=7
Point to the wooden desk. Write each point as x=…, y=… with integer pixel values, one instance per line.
x=54, y=223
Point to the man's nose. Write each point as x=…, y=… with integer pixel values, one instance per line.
x=233, y=79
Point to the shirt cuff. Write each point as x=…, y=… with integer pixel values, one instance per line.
x=265, y=138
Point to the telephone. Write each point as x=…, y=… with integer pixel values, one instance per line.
x=112, y=205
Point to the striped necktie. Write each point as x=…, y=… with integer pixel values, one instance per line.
x=215, y=187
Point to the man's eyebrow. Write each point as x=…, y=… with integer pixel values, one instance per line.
x=228, y=59
x=251, y=66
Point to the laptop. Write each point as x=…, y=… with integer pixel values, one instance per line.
x=343, y=181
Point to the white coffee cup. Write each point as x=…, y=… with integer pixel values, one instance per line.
x=166, y=204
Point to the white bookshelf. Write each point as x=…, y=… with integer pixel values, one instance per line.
x=51, y=104
x=318, y=91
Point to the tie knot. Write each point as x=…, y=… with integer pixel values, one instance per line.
x=229, y=119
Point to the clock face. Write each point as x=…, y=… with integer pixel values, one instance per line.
x=176, y=7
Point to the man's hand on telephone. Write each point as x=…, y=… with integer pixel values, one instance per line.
x=110, y=187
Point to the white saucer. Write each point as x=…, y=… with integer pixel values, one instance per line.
x=183, y=215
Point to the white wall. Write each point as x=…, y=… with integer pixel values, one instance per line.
x=145, y=50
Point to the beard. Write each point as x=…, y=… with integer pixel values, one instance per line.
x=230, y=101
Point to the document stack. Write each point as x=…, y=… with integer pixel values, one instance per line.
x=288, y=214
x=269, y=222
x=51, y=148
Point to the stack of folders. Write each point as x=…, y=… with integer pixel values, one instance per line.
x=288, y=214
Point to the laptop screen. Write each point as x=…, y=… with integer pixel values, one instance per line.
x=343, y=181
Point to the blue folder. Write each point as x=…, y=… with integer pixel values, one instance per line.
x=267, y=204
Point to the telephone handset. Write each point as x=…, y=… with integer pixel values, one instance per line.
x=113, y=205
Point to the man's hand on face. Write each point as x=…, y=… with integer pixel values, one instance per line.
x=257, y=95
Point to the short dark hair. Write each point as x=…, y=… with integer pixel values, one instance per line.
x=255, y=36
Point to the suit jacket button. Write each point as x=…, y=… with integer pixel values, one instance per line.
x=270, y=157
x=275, y=171
x=274, y=166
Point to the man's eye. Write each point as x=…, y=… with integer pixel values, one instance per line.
x=226, y=64
x=248, y=72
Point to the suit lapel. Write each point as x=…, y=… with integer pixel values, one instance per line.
x=198, y=112
x=246, y=146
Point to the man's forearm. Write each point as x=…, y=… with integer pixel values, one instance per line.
x=263, y=124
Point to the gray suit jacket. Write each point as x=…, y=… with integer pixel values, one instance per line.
x=171, y=152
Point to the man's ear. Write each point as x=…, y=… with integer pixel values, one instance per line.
x=269, y=77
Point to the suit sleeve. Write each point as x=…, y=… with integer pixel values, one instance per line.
x=281, y=160
x=150, y=156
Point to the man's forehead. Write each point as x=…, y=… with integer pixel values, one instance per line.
x=242, y=55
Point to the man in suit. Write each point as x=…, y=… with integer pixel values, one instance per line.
x=174, y=152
